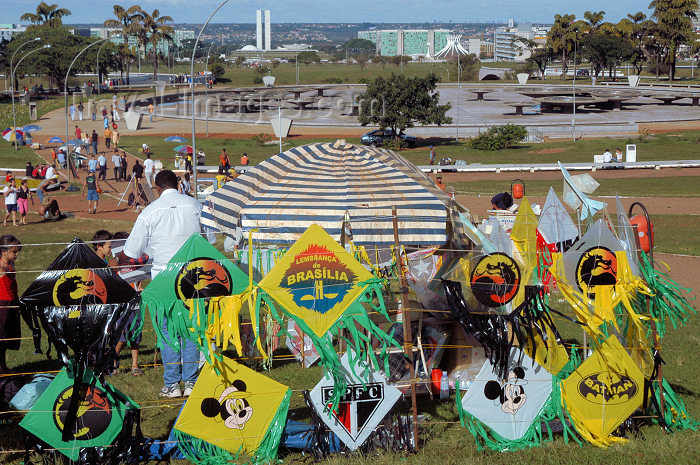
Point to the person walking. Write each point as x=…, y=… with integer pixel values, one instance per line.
x=225, y=165
x=71, y=110
x=78, y=133
x=151, y=110
x=10, y=194
x=115, y=138
x=92, y=164
x=162, y=228
x=24, y=195
x=117, y=161
x=102, y=166
x=80, y=111
x=108, y=137
x=92, y=195
x=94, y=139
x=148, y=167
x=123, y=166
x=432, y=155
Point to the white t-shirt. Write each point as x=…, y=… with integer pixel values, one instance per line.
x=50, y=173
x=163, y=227
x=148, y=165
x=11, y=198
x=102, y=160
x=607, y=157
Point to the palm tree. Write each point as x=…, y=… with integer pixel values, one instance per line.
x=127, y=20
x=594, y=19
x=561, y=38
x=153, y=31
x=46, y=15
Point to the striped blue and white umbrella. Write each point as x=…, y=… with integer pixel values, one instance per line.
x=326, y=184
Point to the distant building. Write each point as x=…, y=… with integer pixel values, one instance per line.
x=392, y=42
x=507, y=47
x=115, y=36
x=9, y=30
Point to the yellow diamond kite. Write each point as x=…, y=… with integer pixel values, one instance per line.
x=316, y=280
x=606, y=389
x=237, y=410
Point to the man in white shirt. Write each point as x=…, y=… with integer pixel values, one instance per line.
x=607, y=156
x=117, y=162
x=161, y=229
x=148, y=169
x=102, y=166
x=50, y=173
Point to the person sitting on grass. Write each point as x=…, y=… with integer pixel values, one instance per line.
x=102, y=244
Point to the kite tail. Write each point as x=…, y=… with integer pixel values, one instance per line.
x=394, y=433
x=668, y=299
x=267, y=451
x=134, y=331
x=321, y=440
x=201, y=452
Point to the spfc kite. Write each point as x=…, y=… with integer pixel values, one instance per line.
x=363, y=405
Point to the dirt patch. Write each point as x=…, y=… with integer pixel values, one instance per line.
x=554, y=150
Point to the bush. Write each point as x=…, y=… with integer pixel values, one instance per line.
x=499, y=137
x=363, y=81
x=262, y=139
x=257, y=80
x=333, y=80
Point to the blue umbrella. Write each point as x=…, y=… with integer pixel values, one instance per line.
x=175, y=139
x=55, y=140
x=76, y=142
x=31, y=128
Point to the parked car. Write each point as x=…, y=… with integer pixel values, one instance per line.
x=583, y=73
x=377, y=137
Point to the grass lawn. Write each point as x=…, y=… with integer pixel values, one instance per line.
x=677, y=146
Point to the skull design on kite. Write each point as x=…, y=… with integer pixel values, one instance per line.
x=231, y=406
x=510, y=394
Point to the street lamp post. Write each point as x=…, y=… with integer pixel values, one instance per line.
x=206, y=90
x=194, y=140
x=12, y=77
x=65, y=100
x=573, y=87
x=97, y=70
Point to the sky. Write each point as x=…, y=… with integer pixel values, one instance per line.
x=341, y=11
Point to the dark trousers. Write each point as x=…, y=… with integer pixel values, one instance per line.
x=107, y=141
x=117, y=175
x=103, y=173
x=122, y=172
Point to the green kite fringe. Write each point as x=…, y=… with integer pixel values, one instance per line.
x=179, y=322
x=359, y=344
x=202, y=452
x=267, y=451
x=675, y=414
x=668, y=300
x=539, y=431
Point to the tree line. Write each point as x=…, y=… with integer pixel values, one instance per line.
x=47, y=26
x=636, y=39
